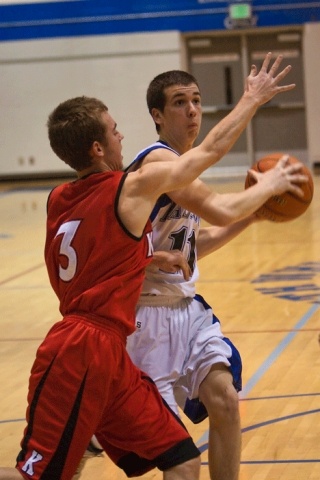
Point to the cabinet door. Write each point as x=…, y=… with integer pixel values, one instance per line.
x=280, y=125
x=221, y=62
x=216, y=62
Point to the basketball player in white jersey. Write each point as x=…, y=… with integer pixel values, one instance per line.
x=178, y=341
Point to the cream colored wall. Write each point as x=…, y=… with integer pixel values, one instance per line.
x=312, y=88
x=37, y=75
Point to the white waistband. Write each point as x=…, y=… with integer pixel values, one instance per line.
x=161, y=300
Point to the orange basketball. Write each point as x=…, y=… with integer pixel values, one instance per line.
x=287, y=206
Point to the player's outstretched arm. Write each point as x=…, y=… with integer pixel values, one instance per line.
x=224, y=208
x=212, y=238
x=260, y=87
x=143, y=187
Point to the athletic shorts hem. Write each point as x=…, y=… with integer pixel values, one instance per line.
x=135, y=466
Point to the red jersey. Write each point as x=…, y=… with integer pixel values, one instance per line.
x=96, y=267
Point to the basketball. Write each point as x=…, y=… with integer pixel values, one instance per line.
x=287, y=206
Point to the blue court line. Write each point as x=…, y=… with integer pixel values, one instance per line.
x=263, y=462
x=13, y=420
x=204, y=447
x=277, y=351
x=269, y=361
x=28, y=189
x=280, y=419
x=290, y=395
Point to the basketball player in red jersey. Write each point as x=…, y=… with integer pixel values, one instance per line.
x=97, y=247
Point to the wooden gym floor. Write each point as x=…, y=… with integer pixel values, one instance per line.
x=265, y=288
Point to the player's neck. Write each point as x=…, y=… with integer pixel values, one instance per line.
x=93, y=169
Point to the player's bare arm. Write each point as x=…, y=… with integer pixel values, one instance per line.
x=212, y=238
x=143, y=187
x=226, y=208
x=149, y=184
x=260, y=87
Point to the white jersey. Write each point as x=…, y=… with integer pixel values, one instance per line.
x=178, y=338
x=174, y=228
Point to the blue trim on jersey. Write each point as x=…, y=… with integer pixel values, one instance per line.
x=194, y=408
x=145, y=151
x=235, y=365
x=162, y=201
x=200, y=299
x=235, y=360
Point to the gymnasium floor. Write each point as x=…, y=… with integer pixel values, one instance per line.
x=265, y=288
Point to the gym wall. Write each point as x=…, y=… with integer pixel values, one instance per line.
x=51, y=51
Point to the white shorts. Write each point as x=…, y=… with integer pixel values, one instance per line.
x=176, y=345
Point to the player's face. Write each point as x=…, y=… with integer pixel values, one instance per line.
x=182, y=114
x=113, y=156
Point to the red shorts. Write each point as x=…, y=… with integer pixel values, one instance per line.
x=83, y=383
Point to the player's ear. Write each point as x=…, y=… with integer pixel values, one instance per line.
x=156, y=115
x=96, y=149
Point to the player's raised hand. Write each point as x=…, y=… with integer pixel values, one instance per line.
x=263, y=85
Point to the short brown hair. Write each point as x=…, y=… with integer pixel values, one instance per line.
x=73, y=126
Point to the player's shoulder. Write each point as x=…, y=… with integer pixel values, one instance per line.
x=160, y=154
x=155, y=152
x=55, y=193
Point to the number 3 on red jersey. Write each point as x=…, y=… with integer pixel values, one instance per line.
x=68, y=230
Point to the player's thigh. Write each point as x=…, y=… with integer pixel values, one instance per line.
x=137, y=419
x=159, y=344
x=207, y=348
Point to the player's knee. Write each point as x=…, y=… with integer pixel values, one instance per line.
x=221, y=401
x=231, y=402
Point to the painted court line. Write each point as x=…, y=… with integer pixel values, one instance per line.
x=277, y=351
x=252, y=382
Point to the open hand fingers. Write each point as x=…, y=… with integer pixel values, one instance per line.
x=276, y=64
x=253, y=71
x=186, y=272
x=291, y=169
x=294, y=175
x=282, y=161
x=265, y=65
x=266, y=62
x=297, y=180
x=274, y=68
x=266, y=80
x=280, y=77
x=177, y=262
